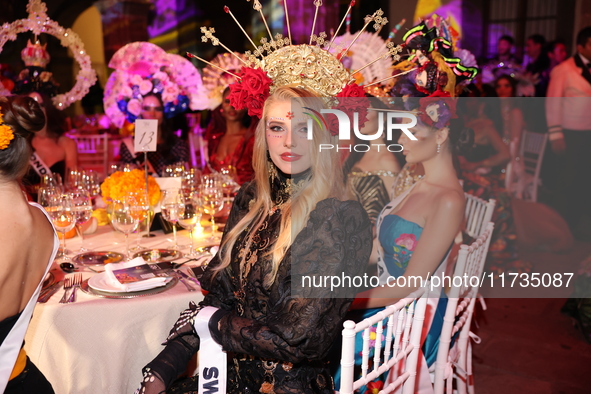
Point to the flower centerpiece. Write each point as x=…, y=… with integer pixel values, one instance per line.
x=120, y=183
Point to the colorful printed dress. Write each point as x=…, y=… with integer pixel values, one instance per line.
x=398, y=239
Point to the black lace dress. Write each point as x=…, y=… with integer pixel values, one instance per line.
x=276, y=342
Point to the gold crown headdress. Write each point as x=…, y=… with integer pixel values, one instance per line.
x=277, y=62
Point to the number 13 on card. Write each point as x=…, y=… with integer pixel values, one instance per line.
x=146, y=131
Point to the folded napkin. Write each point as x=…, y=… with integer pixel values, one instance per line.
x=134, y=279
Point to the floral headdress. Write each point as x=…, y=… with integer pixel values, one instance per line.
x=277, y=62
x=432, y=49
x=437, y=110
x=142, y=68
x=6, y=133
x=34, y=77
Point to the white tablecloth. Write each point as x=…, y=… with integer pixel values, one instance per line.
x=99, y=345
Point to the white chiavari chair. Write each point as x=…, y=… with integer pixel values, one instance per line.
x=478, y=213
x=93, y=152
x=456, y=363
x=397, y=353
x=532, y=154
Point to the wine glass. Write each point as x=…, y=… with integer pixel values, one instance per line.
x=172, y=209
x=62, y=217
x=124, y=219
x=73, y=179
x=89, y=181
x=45, y=194
x=212, y=197
x=190, y=216
x=191, y=180
x=82, y=208
x=53, y=179
x=140, y=207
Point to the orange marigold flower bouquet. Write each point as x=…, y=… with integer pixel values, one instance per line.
x=120, y=183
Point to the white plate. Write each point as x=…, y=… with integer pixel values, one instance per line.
x=100, y=282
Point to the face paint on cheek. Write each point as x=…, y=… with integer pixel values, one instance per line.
x=274, y=135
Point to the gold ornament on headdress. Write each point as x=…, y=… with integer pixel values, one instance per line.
x=310, y=65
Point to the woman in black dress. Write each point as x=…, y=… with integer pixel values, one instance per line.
x=285, y=224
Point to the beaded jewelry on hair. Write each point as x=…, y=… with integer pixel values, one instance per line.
x=6, y=134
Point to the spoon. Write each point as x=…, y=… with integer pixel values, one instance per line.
x=68, y=267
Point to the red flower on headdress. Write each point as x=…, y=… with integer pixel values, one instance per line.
x=251, y=91
x=352, y=100
x=437, y=109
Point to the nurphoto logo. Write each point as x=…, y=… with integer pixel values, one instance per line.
x=393, y=119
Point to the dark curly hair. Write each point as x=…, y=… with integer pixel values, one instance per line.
x=25, y=117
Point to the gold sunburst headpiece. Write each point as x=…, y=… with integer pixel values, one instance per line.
x=278, y=62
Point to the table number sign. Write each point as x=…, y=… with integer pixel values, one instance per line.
x=146, y=135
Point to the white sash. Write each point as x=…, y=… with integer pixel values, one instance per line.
x=212, y=358
x=38, y=165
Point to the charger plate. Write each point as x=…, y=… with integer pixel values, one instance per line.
x=131, y=294
x=163, y=255
x=98, y=258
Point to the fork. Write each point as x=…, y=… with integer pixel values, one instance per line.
x=183, y=281
x=75, y=285
x=67, y=286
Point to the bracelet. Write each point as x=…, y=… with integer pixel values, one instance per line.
x=555, y=135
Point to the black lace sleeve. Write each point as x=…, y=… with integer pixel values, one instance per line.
x=336, y=241
x=220, y=291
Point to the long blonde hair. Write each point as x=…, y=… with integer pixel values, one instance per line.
x=324, y=181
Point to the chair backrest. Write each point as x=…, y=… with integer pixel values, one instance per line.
x=398, y=351
x=198, y=148
x=93, y=152
x=532, y=154
x=465, y=282
x=478, y=213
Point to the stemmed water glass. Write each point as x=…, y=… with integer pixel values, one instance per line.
x=212, y=197
x=141, y=209
x=125, y=220
x=62, y=216
x=190, y=215
x=82, y=208
x=172, y=209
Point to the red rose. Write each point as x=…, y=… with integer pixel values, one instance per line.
x=352, y=90
x=333, y=125
x=255, y=104
x=353, y=100
x=255, y=81
x=237, y=96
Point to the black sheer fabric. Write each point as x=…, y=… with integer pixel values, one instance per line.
x=276, y=342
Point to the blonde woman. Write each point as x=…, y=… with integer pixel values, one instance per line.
x=286, y=223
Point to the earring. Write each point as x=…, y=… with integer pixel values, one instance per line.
x=438, y=148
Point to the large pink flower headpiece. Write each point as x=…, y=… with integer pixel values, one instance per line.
x=142, y=68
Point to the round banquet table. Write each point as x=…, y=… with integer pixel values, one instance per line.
x=99, y=345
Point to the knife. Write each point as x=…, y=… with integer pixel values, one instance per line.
x=48, y=292
x=185, y=276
